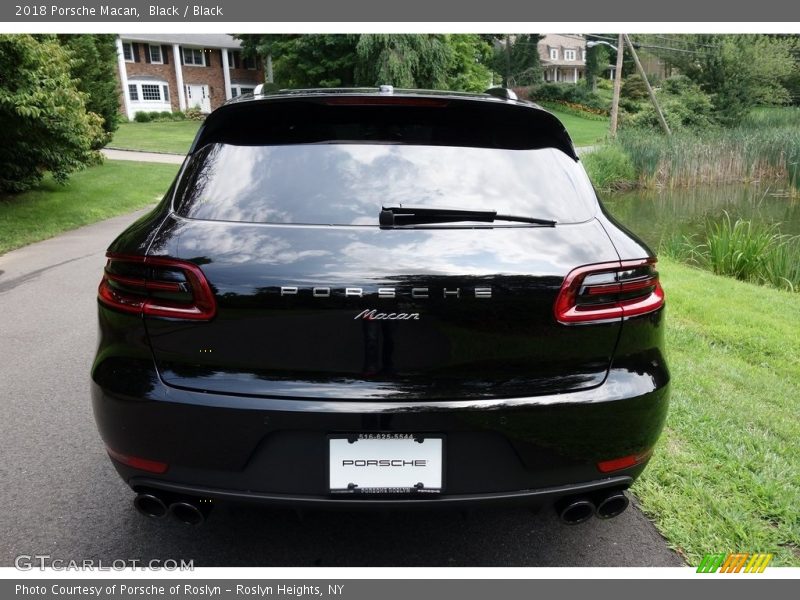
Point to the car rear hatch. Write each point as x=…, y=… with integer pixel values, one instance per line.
x=279, y=208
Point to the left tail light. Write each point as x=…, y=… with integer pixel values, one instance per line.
x=609, y=291
x=156, y=286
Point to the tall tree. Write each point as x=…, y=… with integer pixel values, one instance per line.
x=43, y=116
x=516, y=59
x=737, y=71
x=597, y=61
x=403, y=60
x=93, y=66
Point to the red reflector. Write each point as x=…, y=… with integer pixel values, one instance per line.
x=386, y=101
x=199, y=305
x=609, y=291
x=143, y=464
x=625, y=462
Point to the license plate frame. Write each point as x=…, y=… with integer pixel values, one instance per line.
x=372, y=445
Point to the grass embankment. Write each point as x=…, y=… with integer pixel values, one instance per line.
x=765, y=146
x=725, y=476
x=113, y=188
x=164, y=136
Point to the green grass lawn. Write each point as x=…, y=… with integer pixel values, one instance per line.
x=168, y=136
x=584, y=132
x=726, y=474
x=113, y=188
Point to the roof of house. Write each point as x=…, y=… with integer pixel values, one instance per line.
x=205, y=40
x=563, y=41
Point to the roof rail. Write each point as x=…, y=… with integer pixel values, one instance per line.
x=502, y=93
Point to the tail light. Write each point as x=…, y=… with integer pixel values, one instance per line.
x=624, y=462
x=609, y=291
x=156, y=286
x=137, y=462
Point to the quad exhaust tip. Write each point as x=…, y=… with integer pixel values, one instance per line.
x=150, y=506
x=575, y=510
x=612, y=505
x=187, y=510
x=603, y=505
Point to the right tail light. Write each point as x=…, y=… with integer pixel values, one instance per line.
x=609, y=291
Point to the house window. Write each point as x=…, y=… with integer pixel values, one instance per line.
x=151, y=92
x=249, y=63
x=238, y=90
x=583, y=55
x=553, y=53
x=569, y=54
x=155, y=54
x=127, y=51
x=194, y=57
x=133, y=92
x=166, y=92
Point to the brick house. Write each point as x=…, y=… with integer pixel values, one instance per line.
x=181, y=71
x=563, y=57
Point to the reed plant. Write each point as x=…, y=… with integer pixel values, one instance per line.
x=748, y=251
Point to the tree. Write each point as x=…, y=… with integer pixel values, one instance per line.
x=469, y=64
x=737, y=71
x=94, y=65
x=43, y=116
x=597, y=61
x=403, y=60
x=516, y=59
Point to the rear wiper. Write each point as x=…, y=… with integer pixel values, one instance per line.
x=393, y=216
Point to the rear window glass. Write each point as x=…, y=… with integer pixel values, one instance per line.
x=347, y=183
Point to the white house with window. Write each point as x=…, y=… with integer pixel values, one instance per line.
x=563, y=57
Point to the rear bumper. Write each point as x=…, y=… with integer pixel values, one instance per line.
x=275, y=451
x=536, y=497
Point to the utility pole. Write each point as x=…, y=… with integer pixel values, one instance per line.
x=617, y=87
x=270, y=78
x=650, y=91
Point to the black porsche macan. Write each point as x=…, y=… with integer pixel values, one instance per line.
x=375, y=297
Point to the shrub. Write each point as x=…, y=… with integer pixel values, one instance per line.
x=194, y=114
x=142, y=117
x=684, y=104
x=634, y=88
x=43, y=118
x=609, y=168
x=571, y=93
x=178, y=115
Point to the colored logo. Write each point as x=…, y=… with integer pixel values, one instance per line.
x=741, y=562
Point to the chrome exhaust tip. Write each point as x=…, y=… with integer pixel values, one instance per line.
x=188, y=512
x=573, y=511
x=150, y=506
x=612, y=505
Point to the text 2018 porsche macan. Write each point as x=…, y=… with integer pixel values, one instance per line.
x=375, y=297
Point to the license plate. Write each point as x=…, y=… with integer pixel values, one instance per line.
x=386, y=464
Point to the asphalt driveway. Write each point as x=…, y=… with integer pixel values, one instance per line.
x=60, y=495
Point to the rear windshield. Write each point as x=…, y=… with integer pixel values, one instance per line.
x=347, y=183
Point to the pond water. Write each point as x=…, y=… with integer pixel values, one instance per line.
x=655, y=215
